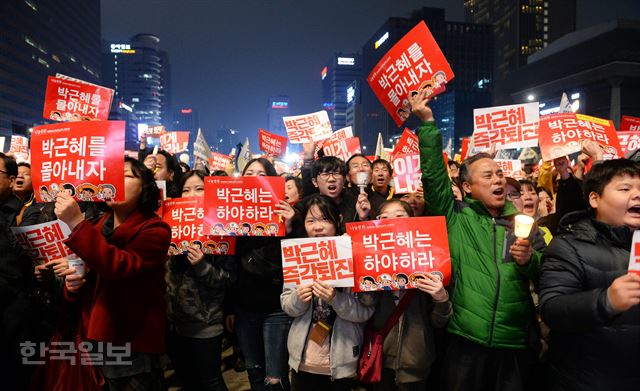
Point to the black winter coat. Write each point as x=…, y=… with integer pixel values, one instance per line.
x=591, y=347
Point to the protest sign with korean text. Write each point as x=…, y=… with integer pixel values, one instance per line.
x=272, y=144
x=629, y=124
x=407, y=144
x=308, y=127
x=20, y=147
x=343, y=149
x=634, y=254
x=243, y=206
x=44, y=242
x=629, y=141
x=413, y=64
x=185, y=216
x=339, y=134
x=154, y=131
x=327, y=259
x=513, y=126
x=389, y=254
x=174, y=142
x=509, y=167
x=218, y=161
x=406, y=173
x=74, y=100
x=85, y=159
x=560, y=135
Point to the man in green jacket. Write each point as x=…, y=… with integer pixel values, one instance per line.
x=492, y=327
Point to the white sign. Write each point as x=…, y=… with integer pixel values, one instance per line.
x=346, y=61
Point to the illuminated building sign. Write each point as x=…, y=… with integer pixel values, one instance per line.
x=186, y=111
x=381, y=40
x=346, y=61
x=324, y=73
x=351, y=93
x=279, y=105
x=124, y=48
x=124, y=106
x=328, y=106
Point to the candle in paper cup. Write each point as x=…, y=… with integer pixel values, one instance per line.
x=77, y=264
x=363, y=180
x=523, y=225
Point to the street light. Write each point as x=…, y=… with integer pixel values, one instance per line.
x=530, y=97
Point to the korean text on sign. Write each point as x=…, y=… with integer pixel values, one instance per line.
x=406, y=173
x=218, y=161
x=73, y=100
x=85, y=159
x=44, y=242
x=509, y=167
x=407, y=144
x=174, y=142
x=513, y=126
x=414, y=63
x=339, y=134
x=327, y=259
x=307, y=128
x=390, y=254
x=343, y=149
x=560, y=135
x=243, y=206
x=185, y=216
x=272, y=144
x=629, y=124
x=629, y=141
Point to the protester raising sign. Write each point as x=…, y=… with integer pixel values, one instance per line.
x=185, y=216
x=44, y=242
x=514, y=126
x=327, y=259
x=75, y=100
x=339, y=134
x=243, y=206
x=85, y=159
x=390, y=254
x=20, y=147
x=629, y=124
x=414, y=63
x=560, y=135
x=174, y=142
x=219, y=161
x=629, y=141
x=407, y=144
x=308, y=127
x=272, y=144
x=406, y=173
x=343, y=149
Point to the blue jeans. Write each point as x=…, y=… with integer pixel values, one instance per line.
x=263, y=340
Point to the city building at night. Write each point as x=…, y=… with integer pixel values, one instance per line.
x=186, y=118
x=39, y=39
x=336, y=76
x=354, y=107
x=139, y=73
x=277, y=107
x=468, y=47
x=594, y=66
x=521, y=28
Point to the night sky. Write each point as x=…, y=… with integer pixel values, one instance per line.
x=228, y=57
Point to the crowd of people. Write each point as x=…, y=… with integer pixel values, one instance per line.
x=555, y=311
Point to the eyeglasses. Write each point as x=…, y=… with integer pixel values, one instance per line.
x=326, y=175
x=513, y=196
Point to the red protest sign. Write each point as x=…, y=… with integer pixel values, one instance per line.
x=327, y=259
x=408, y=143
x=406, y=173
x=343, y=149
x=20, y=147
x=218, y=161
x=629, y=124
x=308, y=127
x=414, y=63
x=174, y=142
x=154, y=131
x=464, y=148
x=272, y=144
x=243, y=206
x=634, y=256
x=73, y=100
x=560, y=135
x=629, y=141
x=387, y=253
x=44, y=242
x=339, y=134
x=513, y=126
x=84, y=159
x=185, y=216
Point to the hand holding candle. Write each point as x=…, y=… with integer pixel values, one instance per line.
x=521, y=250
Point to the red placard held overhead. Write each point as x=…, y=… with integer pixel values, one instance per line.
x=308, y=127
x=174, y=142
x=513, y=126
x=243, y=206
x=339, y=134
x=407, y=144
x=406, y=173
x=560, y=135
x=20, y=147
x=154, y=131
x=327, y=259
x=629, y=141
x=629, y=124
x=464, y=148
x=272, y=144
x=414, y=63
x=218, y=161
x=185, y=216
x=85, y=159
x=387, y=253
x=343, y=149
x=73, y=100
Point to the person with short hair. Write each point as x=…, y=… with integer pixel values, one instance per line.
x=588, y=298
x=382, y=175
